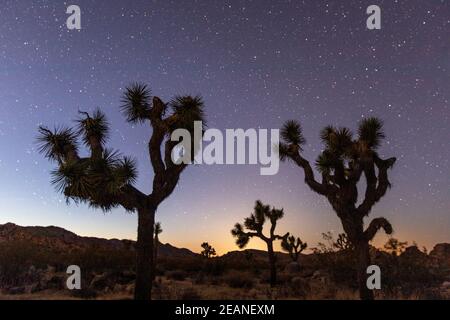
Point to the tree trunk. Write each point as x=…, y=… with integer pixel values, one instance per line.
x=155, y=256
x=363, y=256
x=272, y=262
x=144, y=254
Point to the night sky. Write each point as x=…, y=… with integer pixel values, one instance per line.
x=256, y=63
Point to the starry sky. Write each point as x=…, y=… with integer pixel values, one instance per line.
x=257, y=64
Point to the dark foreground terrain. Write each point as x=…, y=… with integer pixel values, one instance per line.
x=33, y=263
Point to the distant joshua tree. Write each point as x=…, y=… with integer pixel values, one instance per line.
x=105, y=180
x=158, y=230
x=395, y=247
x=342, y=164
x=294, y=246
x=255, y=224
x=208, y=250
x=342, y=243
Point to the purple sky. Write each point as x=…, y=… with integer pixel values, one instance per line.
x=257, y=64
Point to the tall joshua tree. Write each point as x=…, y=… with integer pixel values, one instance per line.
x=255, y=224
x=158, y=230
x=294, y=246
x=104, y=179
x=342, y=164
x=208, y=250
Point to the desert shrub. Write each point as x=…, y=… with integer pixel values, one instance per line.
x=190, y=294
x=214, y=267
x=199, y=278
x=239, y=280
x=299, y=287
x=101, y=259
x=178, y=275
x=404, y=275
x=284, y=277
x=17, y=257
x=187, y=264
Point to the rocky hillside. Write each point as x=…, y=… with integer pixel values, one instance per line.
x=33, y=260
x=58, y=239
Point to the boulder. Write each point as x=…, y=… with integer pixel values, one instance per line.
x=441, y=251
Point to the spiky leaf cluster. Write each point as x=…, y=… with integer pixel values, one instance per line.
x=294, y=246
x=136, y=103
x=95, y=180
x=341, y=150
x=208, y=250
x=158, y=229
x=186, y=110
x=292, y=133
x=255, y=224
x=56, y=144
x=93, y=127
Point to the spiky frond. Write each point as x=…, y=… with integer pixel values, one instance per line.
x=96, y=127
x=187, y=110
x=337, y=141
x=158, y=230
x=242, y=238
x=275, y=214
x=126, y=171
x=136, y=103
x=342, y=242
x=105, y=203
x=325, y=162
x=286, y=244
x=258, y=217
x=326, y=135
x=291, y=133
x=55, y=144
x=71, y=179
x=371, y=132
x=254, y=222
x=344, y=140
x=111, y=172
x=237, y=230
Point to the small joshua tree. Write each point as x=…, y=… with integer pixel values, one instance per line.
x=255, y=224
x=158, y=230
x=208, y=250
x=293, y=246
x=105, y=180
x=342, y=243
x=342, y=164
x=395, y=247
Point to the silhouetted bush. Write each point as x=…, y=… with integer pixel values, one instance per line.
x=190, y=294
x=178, y=275
x=214, y=267
x=239, y=280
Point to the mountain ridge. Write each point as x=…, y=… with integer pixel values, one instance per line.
x=58, y=238
x=62, y=239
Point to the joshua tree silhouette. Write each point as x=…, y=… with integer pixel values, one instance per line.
x=395, y=247
x=105, y=180
x=208, y=250
x=342, y=243
x=293, y=246
x=158, y=230
x=342, y=164
x=255, y=224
